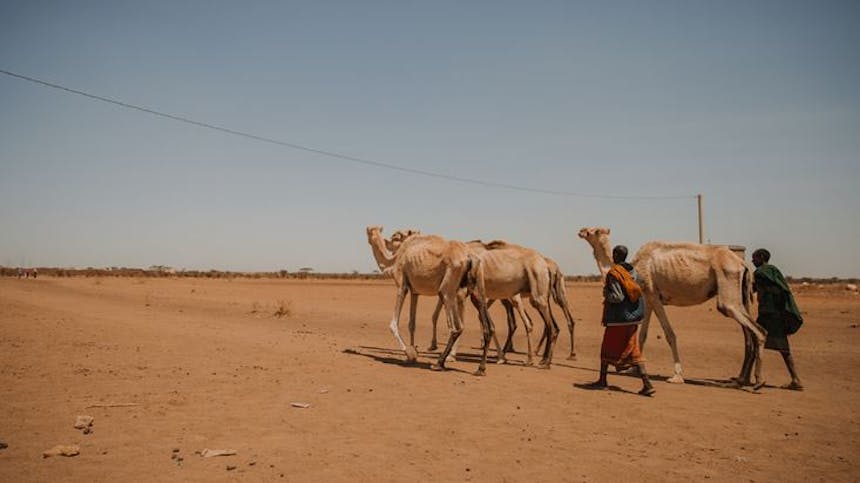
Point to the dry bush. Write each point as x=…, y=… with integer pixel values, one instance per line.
x=284, y=308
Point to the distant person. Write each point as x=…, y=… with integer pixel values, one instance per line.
x=623, y=310
x=20, y=272
x=777, y=311
x=35, y=272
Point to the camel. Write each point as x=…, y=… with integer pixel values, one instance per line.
x=684, y=274
x=558, y=293
x=384, y=252
x=506, y=270
x=432, y=265
x=514, y=303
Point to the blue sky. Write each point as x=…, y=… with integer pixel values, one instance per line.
x=753, y=104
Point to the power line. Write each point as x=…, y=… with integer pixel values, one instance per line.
x=331, y=154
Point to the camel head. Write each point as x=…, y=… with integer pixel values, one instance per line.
x=594, y=235
x=374, y=233
x=377, y=245
x=398, y=237
x=598, y=238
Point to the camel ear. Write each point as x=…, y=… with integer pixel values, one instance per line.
x=604, y=231
x=372, y=228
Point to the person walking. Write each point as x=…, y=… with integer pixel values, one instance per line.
x=777, y=312
x=623, y=310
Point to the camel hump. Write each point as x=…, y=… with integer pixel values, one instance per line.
x=496, y=244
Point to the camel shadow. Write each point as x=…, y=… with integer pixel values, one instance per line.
x=397, y=357
x=514, y=362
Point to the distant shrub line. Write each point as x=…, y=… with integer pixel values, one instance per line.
x=141, y=272
x=284, y=274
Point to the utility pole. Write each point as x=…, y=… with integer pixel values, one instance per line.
x=701, y=228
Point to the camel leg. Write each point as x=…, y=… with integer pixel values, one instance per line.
x=551, y=329
x=658, y=309
x=542, y=341
x=512, y=326
x=413, y=308
x=527, y=322
x=559, y=294
x=452, y=357
x=435, y=319
x=731, y=303
x=500, y=358
x=571, y=325
x=452, y=302
x=460, y=310
x=643, y=327
x=500, y=354
x=757, y=334
x=455, y=328
x=488, y=330
x=743, y=378
x=411, y=353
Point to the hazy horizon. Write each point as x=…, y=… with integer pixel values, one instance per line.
x=753, y=105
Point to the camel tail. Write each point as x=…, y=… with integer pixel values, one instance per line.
x=474, y=277
x=558, y=291
x=474, y=281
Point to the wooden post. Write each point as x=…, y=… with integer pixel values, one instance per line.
x=701, y=229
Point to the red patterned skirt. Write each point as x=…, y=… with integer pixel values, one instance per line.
x=621, y=346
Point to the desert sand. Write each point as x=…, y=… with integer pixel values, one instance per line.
x=170, y=367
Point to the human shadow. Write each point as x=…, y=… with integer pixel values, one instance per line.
x=699, y=381
x=587, y=386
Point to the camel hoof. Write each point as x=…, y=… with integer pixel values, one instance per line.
x=411, y=354
x=451, y=358
x=758, y=385
x=437, y=367
x=571, y=357
x=502, y=360
x=432, y=348
x=530, y=362
x=543, y=365
x=676, y=379
x=480, y=372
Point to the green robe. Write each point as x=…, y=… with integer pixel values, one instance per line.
x=777, y=310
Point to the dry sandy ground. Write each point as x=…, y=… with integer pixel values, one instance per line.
x=206, y=365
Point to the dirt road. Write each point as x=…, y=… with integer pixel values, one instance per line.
x=191, y=364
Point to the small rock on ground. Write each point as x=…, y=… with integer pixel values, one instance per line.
x=62, y=450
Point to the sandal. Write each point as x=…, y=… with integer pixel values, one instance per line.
x=647, y=391
x=792, y=386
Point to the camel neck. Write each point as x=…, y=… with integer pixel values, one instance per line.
x=602, y=255
x=383, y=258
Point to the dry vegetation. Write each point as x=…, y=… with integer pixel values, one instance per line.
x=299, y=275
